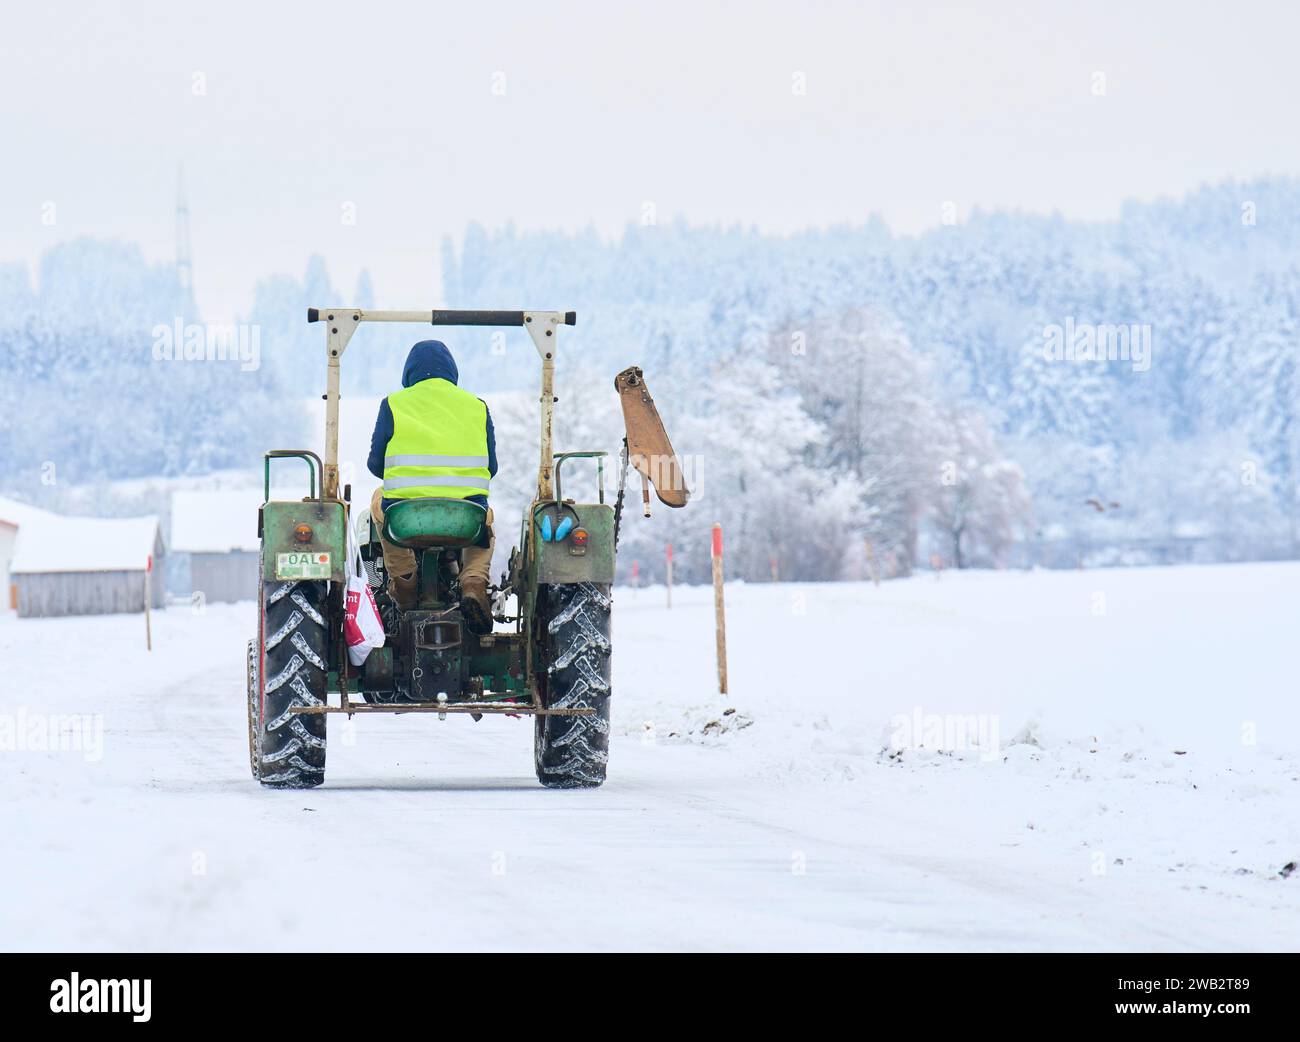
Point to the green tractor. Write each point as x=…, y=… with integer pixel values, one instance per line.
x=550, y=659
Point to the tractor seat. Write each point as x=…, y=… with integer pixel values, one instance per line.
x=421, y=523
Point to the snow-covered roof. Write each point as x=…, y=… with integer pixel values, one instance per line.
x=84, y=544
x=215, y=522
x=16, y=513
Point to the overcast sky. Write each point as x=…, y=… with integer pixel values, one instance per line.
x=424, y=116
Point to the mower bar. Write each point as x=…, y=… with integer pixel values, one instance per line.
x=451, y=318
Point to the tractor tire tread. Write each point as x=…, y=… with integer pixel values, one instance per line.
x=573, y=751
x=288, y=749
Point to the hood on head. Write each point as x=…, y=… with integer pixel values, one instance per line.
x=429, y=360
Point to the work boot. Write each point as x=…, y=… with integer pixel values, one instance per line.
x=402, y=589
x=474, y=604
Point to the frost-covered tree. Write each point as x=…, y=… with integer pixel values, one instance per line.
x=894, y=328
x=105, y=387
x=982, y=503
x=858, y=377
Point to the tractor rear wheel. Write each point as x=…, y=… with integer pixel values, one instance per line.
x=571, y=752
x=288, y=749
x=254, y=699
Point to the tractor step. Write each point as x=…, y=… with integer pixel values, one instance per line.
x=444, y=707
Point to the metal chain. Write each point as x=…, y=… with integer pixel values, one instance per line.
x=622, y=485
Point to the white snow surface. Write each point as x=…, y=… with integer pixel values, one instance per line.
x=1141, y=793
x=85, y=544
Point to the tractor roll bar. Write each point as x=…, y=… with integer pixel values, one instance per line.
x=342, y=322
x=447, y=318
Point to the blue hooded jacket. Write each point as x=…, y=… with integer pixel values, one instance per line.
x=428, y=360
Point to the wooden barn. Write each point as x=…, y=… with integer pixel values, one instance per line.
x=87, y=566
x=214, y=544
x=13, y=516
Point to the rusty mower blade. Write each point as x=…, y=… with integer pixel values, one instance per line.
x=648, y=447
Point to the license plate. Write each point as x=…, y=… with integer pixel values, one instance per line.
x=314, y=565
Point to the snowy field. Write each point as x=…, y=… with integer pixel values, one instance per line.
x=1067, y=760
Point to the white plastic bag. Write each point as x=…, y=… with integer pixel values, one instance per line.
x=362, y=627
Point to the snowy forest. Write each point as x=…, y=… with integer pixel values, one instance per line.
x=848, y=402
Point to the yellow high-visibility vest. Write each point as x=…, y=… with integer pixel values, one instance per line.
x=439, y=443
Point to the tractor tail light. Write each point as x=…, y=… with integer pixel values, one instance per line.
x=302, y=534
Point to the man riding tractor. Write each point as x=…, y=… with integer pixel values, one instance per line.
x=434, y=440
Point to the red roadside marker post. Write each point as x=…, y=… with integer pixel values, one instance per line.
x=148, y=597
x=719, y=611
x=668, y=572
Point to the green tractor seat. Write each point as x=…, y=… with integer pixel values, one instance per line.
x=421, y=523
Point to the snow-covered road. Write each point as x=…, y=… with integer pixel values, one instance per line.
x=1136, y=785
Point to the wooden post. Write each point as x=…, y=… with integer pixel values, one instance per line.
x=719, y=612
x=871, y=563
x=148, y=598
x=668, y=556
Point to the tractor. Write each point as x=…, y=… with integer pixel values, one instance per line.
x=550, y=659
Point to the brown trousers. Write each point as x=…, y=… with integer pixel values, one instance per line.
x=475, y=561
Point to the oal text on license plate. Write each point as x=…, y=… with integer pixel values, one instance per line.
x=305, y=565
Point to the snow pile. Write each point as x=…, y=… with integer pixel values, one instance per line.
x=700, y=724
